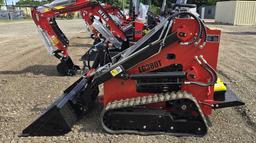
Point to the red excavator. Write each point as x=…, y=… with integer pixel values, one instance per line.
x=56, y=41
x=166, y=83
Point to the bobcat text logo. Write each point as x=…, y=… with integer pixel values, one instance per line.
x=150, y=66
x=103, y=15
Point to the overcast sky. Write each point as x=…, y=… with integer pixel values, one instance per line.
x=11, y=1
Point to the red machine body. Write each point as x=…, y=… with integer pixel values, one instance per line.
x=183, y=55
x=138, y=30
x=165, y=83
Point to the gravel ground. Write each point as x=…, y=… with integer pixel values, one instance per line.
x=29, y=82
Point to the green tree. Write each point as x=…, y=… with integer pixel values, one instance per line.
x=115, y=3
x=32, y=2
x=1, y=1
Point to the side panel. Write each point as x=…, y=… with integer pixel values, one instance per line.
x=117, y=89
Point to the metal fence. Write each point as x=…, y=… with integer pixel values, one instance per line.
x=14, y=12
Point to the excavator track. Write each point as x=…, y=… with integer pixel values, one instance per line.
x=182, y=117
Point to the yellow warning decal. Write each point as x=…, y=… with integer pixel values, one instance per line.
x=46, y=10
x=56, y=7
x=219, y=86
x=59, y=7
x=116, y=71
x=55, y=40
x=146, y=31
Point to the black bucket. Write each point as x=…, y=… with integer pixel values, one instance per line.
x=59, y=118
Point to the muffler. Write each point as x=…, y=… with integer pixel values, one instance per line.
x=59, y=118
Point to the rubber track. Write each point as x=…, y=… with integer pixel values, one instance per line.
x=144, y=100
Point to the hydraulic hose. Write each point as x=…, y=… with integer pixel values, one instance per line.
x=88, y=54
x=205, y=34
x=203, y=63
x=198, y=22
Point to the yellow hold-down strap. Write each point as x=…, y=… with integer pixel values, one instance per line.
x=219, y=86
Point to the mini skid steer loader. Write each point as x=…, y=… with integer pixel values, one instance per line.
x=166, y=83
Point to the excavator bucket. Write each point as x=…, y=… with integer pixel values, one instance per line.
x=59, y=118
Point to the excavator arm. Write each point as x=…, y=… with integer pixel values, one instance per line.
x=116, y=11
x=96, y=9
x=55, y=40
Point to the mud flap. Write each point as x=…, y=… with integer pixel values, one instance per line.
x=59, y=118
